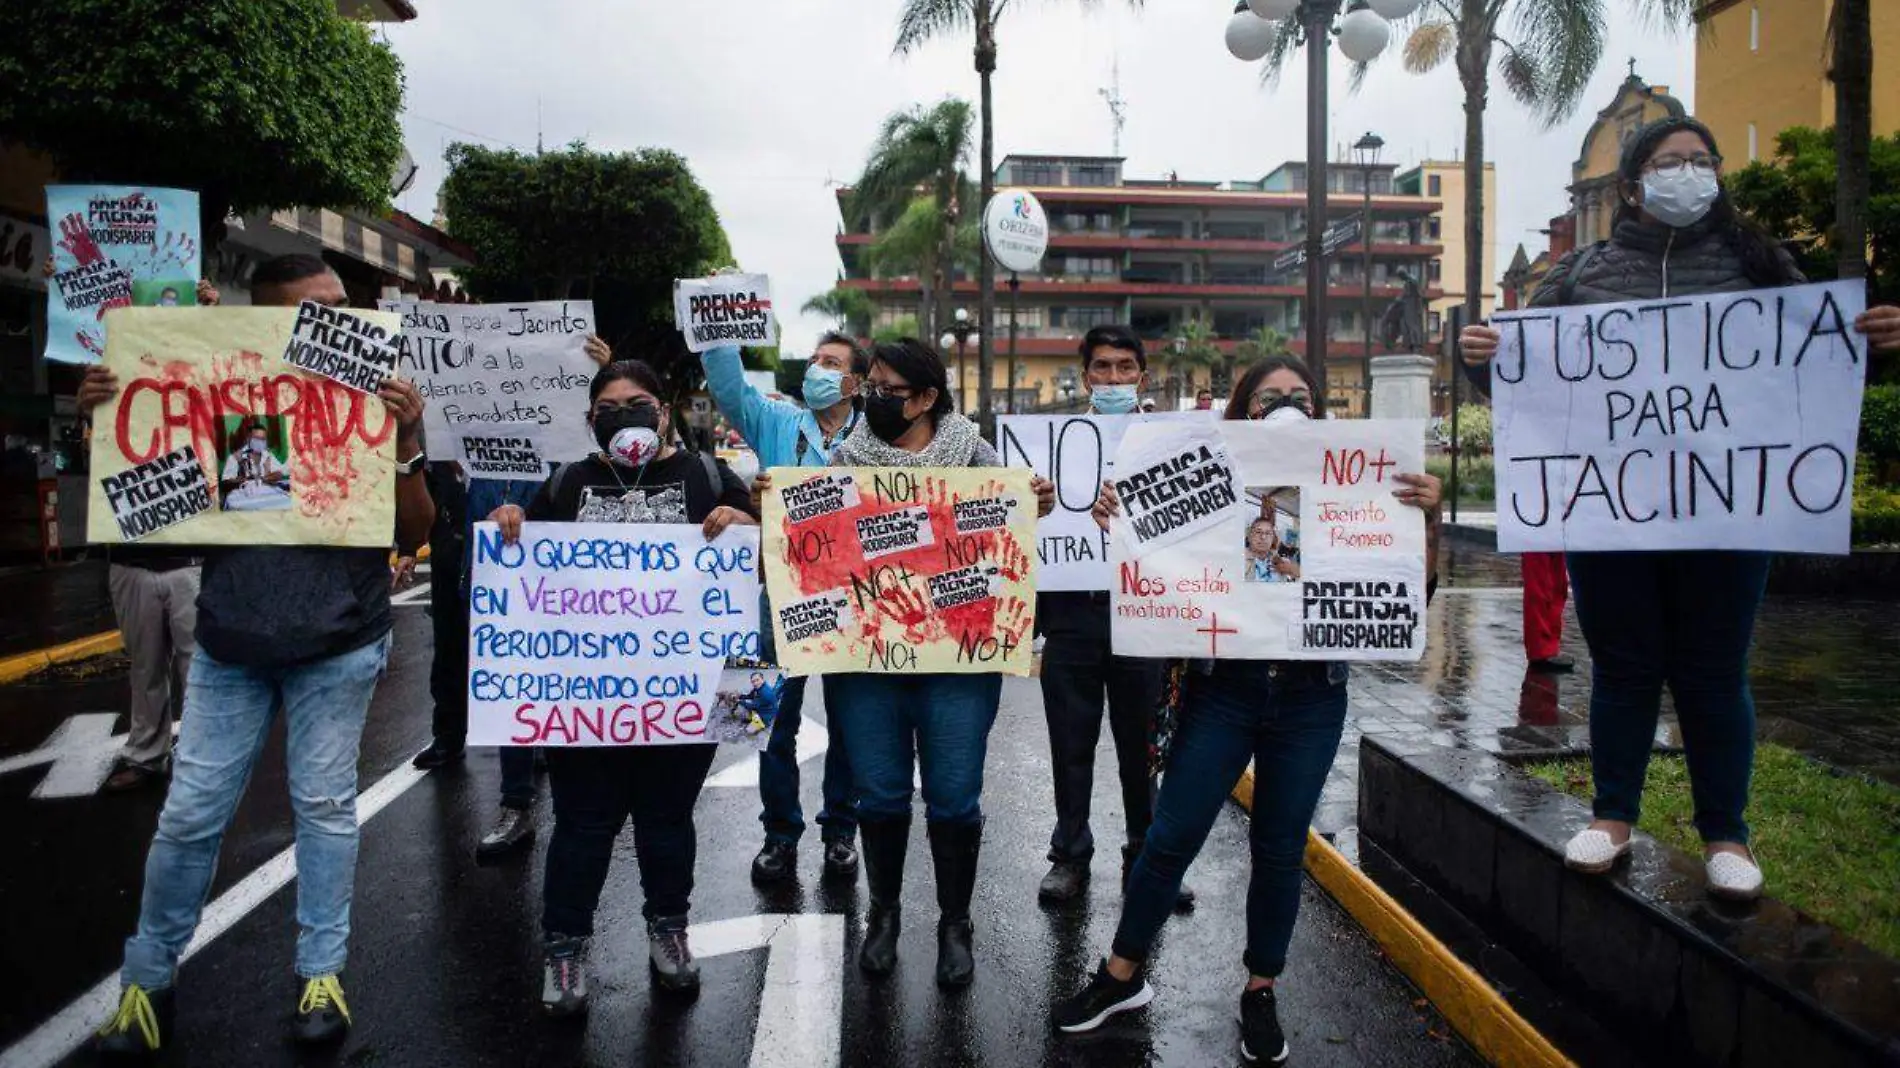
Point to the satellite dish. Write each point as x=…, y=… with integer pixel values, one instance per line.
x=405, y=174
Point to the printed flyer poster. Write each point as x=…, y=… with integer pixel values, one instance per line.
x=1269, y=541
x=115, y=247
x=214, y=440
x=890, y=570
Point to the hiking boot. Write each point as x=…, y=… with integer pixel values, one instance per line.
x=563, y=975
x=1260, y=1036
x=777, y=862
x=1064, y=883
x=513, y=829
x=439, y=754
x=1105, y=996
x=954, y=848
x=1183, y=898
x=141, y=1026
x=670, y=958
x=322, y=1014
x=841, y=859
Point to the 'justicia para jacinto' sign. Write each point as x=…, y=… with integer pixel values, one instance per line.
x=1717, y=422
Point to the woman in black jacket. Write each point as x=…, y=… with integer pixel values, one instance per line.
x=1682, y=617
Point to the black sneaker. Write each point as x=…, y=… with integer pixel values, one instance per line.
x=564, y=975
x=1105, y=996
x=776, y=863
x=1260, y=1036
x=322, y=1014
x=841, y=858
x=513, y=829
x=141, y=1026
x=1065, y=882
x=669, y=956
x=439, y=754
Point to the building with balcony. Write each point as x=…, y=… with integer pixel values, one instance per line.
x=1160, y=255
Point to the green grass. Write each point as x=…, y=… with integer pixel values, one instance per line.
x=1829, y=843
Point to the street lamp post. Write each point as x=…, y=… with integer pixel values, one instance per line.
x=1363, y=32
x=1365, y=152
x=959, y=333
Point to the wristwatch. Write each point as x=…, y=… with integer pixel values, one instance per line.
x=413, y=465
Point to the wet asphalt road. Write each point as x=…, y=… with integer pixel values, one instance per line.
x=444, y=953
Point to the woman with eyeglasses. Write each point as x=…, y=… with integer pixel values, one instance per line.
x=1287, y=718
x=944, y=719
x=640, y=475
x=1685, y=618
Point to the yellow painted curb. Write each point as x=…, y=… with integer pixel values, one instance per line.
x=14, y=668
x=1461, y=995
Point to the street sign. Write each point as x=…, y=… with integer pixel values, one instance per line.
x=1336, y=237
x=1015, y=230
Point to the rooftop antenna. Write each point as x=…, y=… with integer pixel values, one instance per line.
x=1117, y=106
x=537, y=126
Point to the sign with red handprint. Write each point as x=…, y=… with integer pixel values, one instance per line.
x=887, y=570
x=115, y=247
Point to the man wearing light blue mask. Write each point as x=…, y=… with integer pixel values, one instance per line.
x=783, y=434
x=1080, y=671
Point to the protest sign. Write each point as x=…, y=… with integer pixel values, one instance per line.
x=1077, y=453
x=889, y=570
x=484, y=367
x=515, y=452
x=597, y=634
x=353, y=351
x=1311, y=558
x=1715, y=422
x=115, y=247
x=726, y=309
x=295, y=459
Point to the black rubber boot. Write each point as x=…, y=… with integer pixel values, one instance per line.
x=885, y=841
x=954, y=847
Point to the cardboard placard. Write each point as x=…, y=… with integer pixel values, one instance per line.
x=349, y=349
x=515, y=452
x=727, y=309
x=115, y=247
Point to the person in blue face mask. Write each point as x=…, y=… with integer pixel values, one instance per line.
x=1080, y=673
x=784, y=434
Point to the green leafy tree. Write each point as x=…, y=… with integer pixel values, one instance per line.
x=850, y=309
x=925, y=20
x=616, y=228
x=1795, y=196
x=903, y=327
x=1193, y=349
x=922, y=149
x=254, y=105
x=1265, y=341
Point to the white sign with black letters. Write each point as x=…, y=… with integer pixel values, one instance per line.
x=726, y=309
x=349, y=349
x=161, y=492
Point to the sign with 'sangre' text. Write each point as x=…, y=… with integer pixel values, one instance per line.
x=726, y=309
x=607, y=634
x=1712, y=422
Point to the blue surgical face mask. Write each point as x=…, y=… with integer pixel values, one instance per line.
x=824, y=387
x=1113, y=400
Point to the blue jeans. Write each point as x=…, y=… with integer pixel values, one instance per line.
x=940, y=721
x=783, y=816
x=1686, y=619
x=228, y=713
x=1286, y=718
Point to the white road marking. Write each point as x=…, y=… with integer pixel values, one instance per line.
x=80, y=750
x=59, y=1036
x=411, y=597
x=801, y=1010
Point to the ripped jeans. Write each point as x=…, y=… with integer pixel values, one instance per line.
x=228, y=713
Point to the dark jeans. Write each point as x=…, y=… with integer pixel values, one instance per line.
x=1078, y=672
x=1286, y=718
x=1686, y=619
x=783, y=816
x=595, y=791
x=938, y=722
x=448, y=671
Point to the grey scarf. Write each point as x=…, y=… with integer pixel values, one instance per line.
x=954, y=445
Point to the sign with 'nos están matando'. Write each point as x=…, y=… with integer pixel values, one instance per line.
x=1713, y=422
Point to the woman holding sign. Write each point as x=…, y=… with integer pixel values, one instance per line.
x=943, y=718
x=1686, y=618
x=637, y=477
x=1287, y=717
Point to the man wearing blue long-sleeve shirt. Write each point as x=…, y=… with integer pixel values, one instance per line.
x=786, y=435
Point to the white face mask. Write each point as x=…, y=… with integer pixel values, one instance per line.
x=1682, y=198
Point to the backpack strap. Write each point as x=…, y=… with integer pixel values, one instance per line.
x=711, y=463
x=1567, y=289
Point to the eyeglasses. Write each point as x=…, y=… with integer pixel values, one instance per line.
x=624, y=406
x=879, y=391
x=1671, y=166
x=1267, y=398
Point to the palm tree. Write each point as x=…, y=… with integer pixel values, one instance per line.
x=915, y=244
x=1850, y=25
x=1546, y=51
x=851, y=309
x=1193, y=348
x=922, y=149
x=925, y=20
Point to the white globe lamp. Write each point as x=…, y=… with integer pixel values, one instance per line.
x=1274, y=10
x=947, y=342
x=1249, y=37
x=1363, y=35
x=1393, y=10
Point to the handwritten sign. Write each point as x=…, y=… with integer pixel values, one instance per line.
x=158, y=493
x=1718, y=422
x=1311, y=559
x=728, y=309
x=890, y=570
x=346, y=348
x=115, y=247
x=514, y=453
x=295, y=459
x=1077, y=453
x=597, y=634
x=484, y=368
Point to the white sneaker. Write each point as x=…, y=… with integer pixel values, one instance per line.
x=1594, y=852
x=1734, y=876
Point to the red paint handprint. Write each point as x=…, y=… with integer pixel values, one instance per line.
x=905, y=606
x=78, y=242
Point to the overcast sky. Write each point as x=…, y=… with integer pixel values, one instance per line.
x=771, y=102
